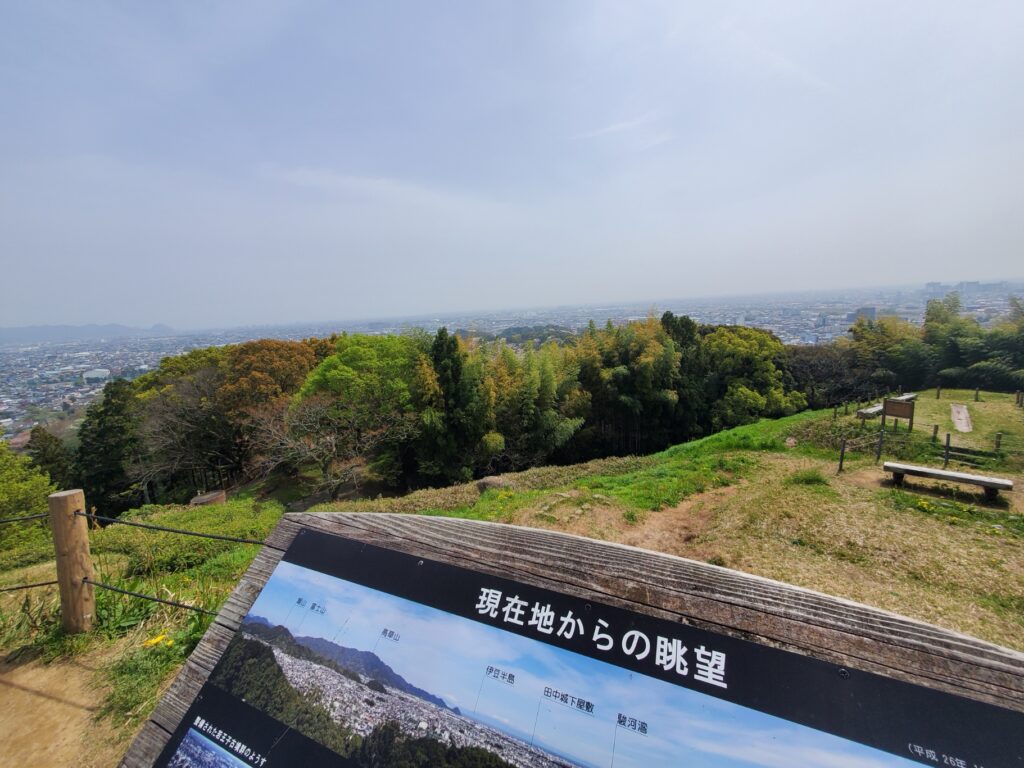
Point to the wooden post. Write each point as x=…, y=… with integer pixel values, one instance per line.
x=74, y=564
x=999, y=440
x=938, y=393
x=910, y=426
x=935, y=433
x=945, y=457
x=977, y=391
x=878, y=448
x=842, y=455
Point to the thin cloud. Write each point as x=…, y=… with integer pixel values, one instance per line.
x=619, y=127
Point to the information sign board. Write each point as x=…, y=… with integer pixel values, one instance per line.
x=899, y=409
x=359, y=655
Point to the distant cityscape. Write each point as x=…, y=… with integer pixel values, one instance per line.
x=44, y=380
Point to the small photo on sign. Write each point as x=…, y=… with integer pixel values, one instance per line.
x=198, y=751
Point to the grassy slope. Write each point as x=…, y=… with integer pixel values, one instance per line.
x=735, y=499
x=740, y=498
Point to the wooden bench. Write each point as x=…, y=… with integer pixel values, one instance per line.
x=992, y=485
x=871, y=412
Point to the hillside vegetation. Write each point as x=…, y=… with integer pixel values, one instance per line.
x=398, y=412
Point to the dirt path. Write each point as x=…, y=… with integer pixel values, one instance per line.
x=961, y=418
x=676, y=530
x=47, y=716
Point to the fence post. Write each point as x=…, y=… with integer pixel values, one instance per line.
x=938, y=393
x=878, y=448
x=74, y=563
x=999, y=440
x=935, y=433
x=945, y=456
x=842, y=455
x=977, y=391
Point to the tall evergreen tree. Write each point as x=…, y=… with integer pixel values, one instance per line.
x=108, y=442
x=49, y=454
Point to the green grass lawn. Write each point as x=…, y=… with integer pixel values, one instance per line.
x=995, y=412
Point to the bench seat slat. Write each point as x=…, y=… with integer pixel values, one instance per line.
x=945, y=474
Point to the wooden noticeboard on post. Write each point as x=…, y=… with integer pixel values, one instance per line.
x=899, y=409
x=354, y=636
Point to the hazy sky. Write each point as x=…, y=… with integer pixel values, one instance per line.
x=225, y=163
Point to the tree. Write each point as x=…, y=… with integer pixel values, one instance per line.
x=23, y=491
x=259, y=372
x=338, y=436
x=108, y=444
x=452, y=416
x=187, y=436
x=745, y=380
x=50, y=455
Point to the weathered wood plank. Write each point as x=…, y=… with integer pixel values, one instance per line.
x=242, y=597
x=182, y=692
x=944, y=474
x=179, y=696
x=695, y=593
x=146, y=748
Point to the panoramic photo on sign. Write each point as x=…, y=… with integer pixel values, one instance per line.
x=355, y=655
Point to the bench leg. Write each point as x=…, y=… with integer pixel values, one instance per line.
x=991, y=494
x=897, y=478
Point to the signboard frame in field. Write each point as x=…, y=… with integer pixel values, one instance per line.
x=899, y=409
x=379, y=633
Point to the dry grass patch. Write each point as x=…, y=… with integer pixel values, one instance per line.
x=860, y=545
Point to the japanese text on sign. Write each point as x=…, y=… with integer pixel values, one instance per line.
x=229, y=742
x=502, y=675
x=631, y=723
x=669, y=653
x=573, y=702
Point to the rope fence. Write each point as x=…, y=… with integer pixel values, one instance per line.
x=179, y=531
x=176, y=604
x=29, y=586
x=22, y=519
x=69, y=525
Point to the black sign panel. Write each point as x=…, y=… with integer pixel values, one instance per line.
x=358, y=655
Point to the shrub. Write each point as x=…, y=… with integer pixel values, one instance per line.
x=807, y=477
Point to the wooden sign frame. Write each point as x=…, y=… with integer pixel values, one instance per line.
x=695, y=594
x=899, y=409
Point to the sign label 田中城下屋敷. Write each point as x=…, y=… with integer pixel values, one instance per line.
x=357, y=655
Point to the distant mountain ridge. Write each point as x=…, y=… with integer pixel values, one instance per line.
x=34, y=334
x=365, y=663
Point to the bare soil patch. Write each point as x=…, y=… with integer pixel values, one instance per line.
x=48, y=714
x=679, y=530
x=592, y=515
